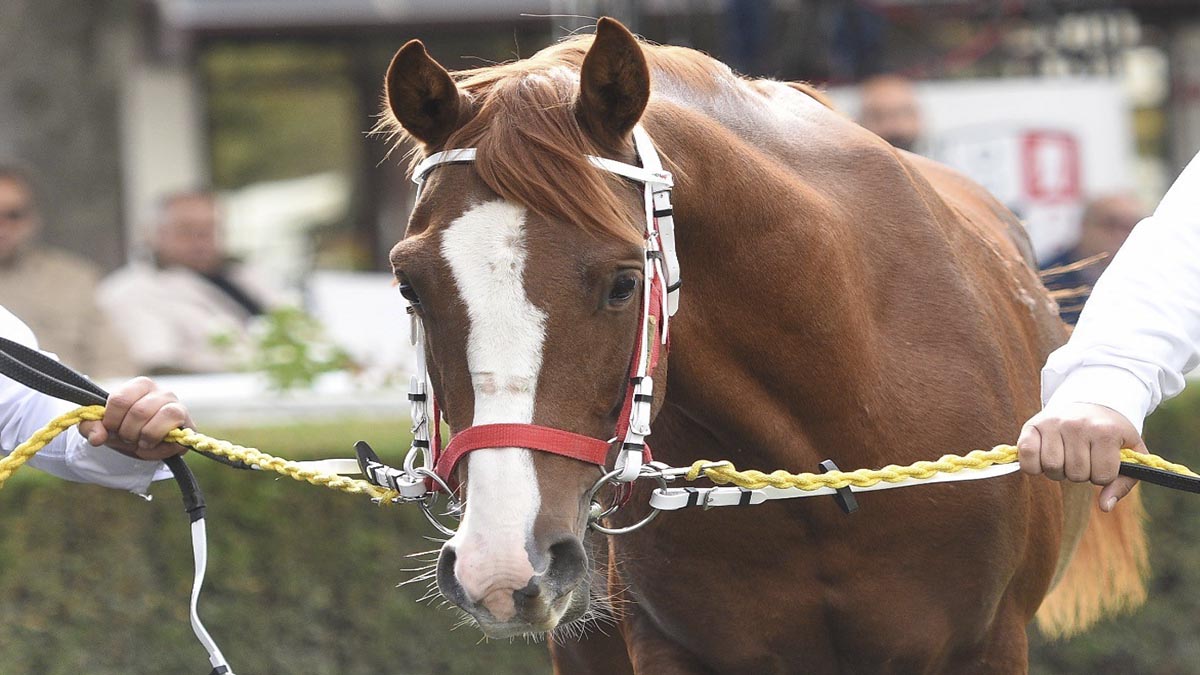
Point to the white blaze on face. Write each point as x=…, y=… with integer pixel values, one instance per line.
x=485, y=250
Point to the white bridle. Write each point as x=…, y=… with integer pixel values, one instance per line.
x=660, y=262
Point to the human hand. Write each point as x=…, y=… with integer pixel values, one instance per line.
x=139, y=415
x=1080, y=442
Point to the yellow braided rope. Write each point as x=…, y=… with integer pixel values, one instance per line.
x=721, y=473
x=725, y=473
x=18, y=457
x=197, y=441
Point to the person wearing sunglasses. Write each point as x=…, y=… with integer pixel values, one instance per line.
x=52, y=290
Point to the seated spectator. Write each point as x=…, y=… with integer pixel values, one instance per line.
x=53, y=290
x=890, y=109
x=1107, y=220
x=177, y=307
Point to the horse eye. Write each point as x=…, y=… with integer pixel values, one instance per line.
x=409, y=294
x=622, y=289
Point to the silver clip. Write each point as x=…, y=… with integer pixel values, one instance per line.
x=639, y=410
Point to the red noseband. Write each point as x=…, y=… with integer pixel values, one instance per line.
x=528, y=436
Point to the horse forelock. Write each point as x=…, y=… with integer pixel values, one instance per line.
x=531, y=148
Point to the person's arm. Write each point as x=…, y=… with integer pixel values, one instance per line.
x=1138, y=335
x=70, y=456
x=137, y=417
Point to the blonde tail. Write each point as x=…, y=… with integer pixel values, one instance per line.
x=1105, y=576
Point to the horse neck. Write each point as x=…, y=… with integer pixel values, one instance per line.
x=832, y=297
x=770, y=345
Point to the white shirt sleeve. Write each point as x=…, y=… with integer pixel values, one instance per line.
x=24, y=411
x=1139, y=333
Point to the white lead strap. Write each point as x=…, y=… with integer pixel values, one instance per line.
x=200, y=556
x=671, y=499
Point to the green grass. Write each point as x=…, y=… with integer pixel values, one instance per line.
x=321, y=440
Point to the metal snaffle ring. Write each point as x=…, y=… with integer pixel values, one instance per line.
x=427, y=504
x=594, y=520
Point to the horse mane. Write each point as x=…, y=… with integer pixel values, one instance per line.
x=531, y=147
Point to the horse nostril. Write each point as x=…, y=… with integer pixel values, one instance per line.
x=446, y=581
x=531, y=591
x=568, y=563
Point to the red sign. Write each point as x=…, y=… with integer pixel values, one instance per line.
x=1050, y=166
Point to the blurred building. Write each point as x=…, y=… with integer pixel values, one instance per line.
x=114, y=102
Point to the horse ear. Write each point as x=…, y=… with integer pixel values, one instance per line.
x=422, y=96
x=614, y=83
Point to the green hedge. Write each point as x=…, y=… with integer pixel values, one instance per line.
x=302, y=580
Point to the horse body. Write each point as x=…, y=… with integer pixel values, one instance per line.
x=842, y=300
x=854, y=316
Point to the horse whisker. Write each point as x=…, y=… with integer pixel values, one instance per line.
x=419, y=578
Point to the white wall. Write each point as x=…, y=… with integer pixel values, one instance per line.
x=160, y=140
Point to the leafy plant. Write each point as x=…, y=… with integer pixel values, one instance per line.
x=291, y=349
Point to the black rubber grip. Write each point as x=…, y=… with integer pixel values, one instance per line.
x=1166, y=479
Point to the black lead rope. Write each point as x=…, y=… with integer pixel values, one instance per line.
x=1149, y=474
x=43, y=374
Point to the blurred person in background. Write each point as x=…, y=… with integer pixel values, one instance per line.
x=1106, y=222
x=890, y=109
x=120, y=451
x=188, y=308
x=52, y=290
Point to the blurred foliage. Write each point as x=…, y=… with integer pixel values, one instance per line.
x=279, y=110
x=301, y=580
x=290, y=348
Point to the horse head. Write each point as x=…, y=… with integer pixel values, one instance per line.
x=525, y=268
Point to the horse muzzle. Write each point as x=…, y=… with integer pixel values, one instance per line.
x=510, y=595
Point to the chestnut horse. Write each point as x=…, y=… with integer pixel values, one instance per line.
x=841, y=299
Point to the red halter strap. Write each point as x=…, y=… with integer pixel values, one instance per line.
x=529, y=436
